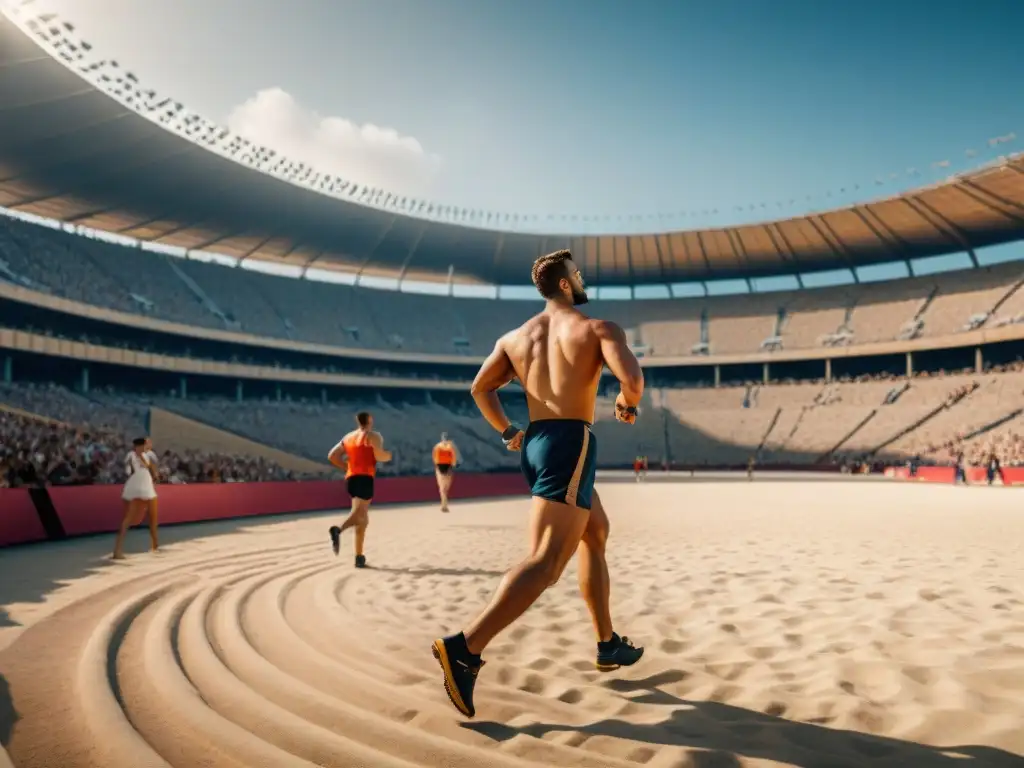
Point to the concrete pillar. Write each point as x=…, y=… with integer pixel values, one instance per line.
x=828, y=369
x=979, y=361
x=910, y=365
x=765, y=373
x=239, y=390
x=183, y=388
x=718, y=376
x=84, y=385
x=8, y=369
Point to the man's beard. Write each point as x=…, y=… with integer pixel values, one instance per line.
x=579, y=297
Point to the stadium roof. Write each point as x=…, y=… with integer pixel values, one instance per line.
x=130, y=165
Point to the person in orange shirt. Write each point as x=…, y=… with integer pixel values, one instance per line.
x=357, y=454
x=445, y=458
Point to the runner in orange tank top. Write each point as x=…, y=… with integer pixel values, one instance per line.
x=445, y=458
x=357, y=454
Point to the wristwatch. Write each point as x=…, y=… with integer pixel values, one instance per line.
x=510, y=432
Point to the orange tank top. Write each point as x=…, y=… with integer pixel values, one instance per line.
x=443, y=455
x=361, y=460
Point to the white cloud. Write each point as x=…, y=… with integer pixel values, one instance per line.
x=366, y=154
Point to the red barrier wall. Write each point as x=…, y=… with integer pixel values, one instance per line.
x=97, y=508
x=975, y=475
x=19, y=523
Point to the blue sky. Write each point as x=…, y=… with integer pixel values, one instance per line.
x=600, y=107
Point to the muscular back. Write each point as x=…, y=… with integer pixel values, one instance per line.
x=557, y=358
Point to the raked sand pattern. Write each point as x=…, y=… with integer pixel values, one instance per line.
x=786, y=623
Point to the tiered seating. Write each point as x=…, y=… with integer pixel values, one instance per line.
x=971, y=293
x=811, y=315
x=753, y=322
x=237, y=294
x=112, y=414
x=884, y=308
x=132, y=280
x=822, y=427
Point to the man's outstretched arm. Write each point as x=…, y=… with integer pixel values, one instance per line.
x=495, y=373
x=621, y=362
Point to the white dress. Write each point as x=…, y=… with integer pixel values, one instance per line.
x=140, y=482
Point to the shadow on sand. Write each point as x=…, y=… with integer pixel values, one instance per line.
x=8, y=714
x=421, y=572
x=726, y=733
x=24, y=578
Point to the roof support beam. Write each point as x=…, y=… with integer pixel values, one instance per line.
x=831, y=235
x=380, y=240
x=984, y=197
x=629, y=263
x=737, y=248
x=496, y=260
x=310, y=261
x=408, y=256
x=253, y=250
x=943, y=225
x=703, y=251
x=887, y=239
x=218, y=239
x=774, y=230
x=661, y=258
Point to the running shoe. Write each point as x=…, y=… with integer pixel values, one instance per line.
x=460, y=669
x=335, y=539
x=617, y=652
x=360, y=561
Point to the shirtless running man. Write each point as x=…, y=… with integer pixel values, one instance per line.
x=357, y=454
x=558, y=356
x=445, y=456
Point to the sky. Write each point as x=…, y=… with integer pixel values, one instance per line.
x=592, y=107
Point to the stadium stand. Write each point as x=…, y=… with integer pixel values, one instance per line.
x=214, y=296
x=52, y=434
x=883, y=416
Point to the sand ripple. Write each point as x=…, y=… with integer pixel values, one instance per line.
x=861, y=624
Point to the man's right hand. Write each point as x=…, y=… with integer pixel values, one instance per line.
x=515, y=442
x=624, y=412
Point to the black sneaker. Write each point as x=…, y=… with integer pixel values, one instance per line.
x=360, y=561
x=617, y=652
x=335, y=539
x=460, y=669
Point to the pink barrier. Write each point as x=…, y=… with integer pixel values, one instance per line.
x=19, y=522
x=97, y=508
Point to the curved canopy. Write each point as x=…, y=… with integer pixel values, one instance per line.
x=71, y=152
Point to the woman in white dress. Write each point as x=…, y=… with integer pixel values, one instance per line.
x=139, y=494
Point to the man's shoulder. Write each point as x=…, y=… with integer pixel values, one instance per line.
x=604, y=329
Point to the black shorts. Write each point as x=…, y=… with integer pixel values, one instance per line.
x=444, y=469
x=360, y=487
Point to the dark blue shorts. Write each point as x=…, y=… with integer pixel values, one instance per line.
x=559, y=460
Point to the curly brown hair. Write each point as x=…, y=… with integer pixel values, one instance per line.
x=549, y=270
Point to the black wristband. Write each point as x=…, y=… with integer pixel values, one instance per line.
x=510, y=431
x=630, y=409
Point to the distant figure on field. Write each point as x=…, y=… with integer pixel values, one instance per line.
x=357, y=454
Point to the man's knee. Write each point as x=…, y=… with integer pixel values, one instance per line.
x=551, y=566
x=596, y=533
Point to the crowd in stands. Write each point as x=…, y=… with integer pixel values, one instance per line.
x=934, y=419
x=210, y=295
x=64, y=449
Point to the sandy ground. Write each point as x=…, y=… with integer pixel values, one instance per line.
x=786, y=622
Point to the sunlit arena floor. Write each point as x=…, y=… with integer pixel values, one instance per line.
x=787, y=621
